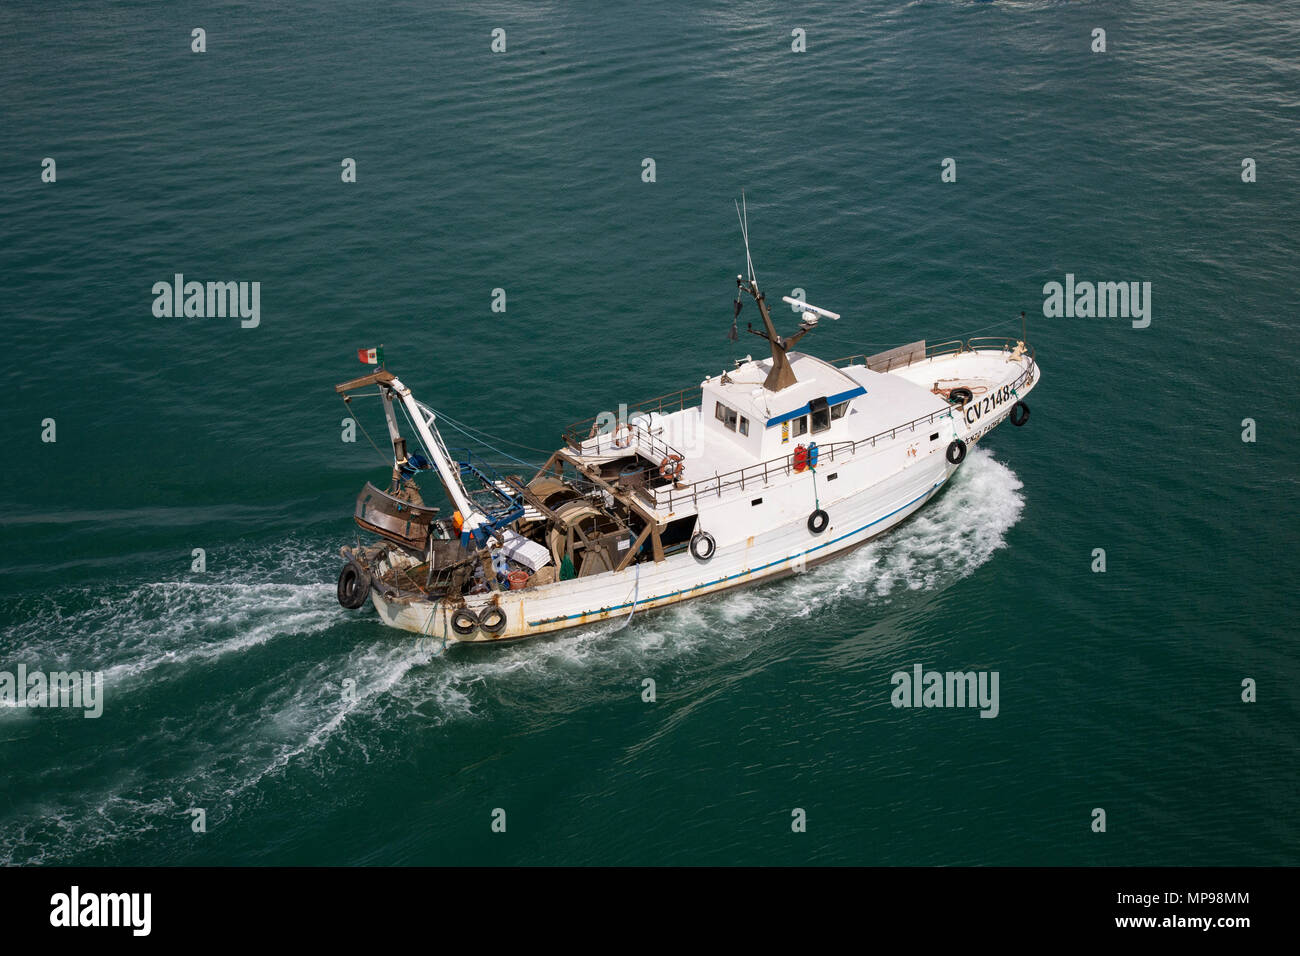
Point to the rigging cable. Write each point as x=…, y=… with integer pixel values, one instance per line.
x=363, y=429
x=463, y=426
x=452, y=422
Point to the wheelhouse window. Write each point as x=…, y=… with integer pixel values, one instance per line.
x=744, y=425
x=821, y=414
x=837, y=411
x=799, y=426
x=726, y=415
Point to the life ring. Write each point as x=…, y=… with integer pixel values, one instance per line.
x=671, y=467
x=956, y=451
x=492, y=620
x=352, y=590
x=800, y=458
x=817, y=521
x=1024, y=414
x=703, y=545
x=623, y=435
x=812, y=455
x=960, y=395
x=464, y=621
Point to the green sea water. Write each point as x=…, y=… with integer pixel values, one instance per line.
x=312, y=735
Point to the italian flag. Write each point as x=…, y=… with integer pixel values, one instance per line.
x=373, y=356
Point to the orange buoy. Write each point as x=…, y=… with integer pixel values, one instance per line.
x=800, y=458
x=671, y=467
x=457, y=520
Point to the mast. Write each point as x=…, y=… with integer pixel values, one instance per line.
x=781, y=375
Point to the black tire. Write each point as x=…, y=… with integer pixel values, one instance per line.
x=703, y=546
x=354, y=587
x=817, y=521
x=492, y=620
x=1024, y=414
x=960, y=396
x=464, y=621
x=956, y=451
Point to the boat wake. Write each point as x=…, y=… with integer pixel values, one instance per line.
x=222, y=692
x=131, y=631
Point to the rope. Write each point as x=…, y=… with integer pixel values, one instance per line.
x=636, y=591
x=945, y=393
x=363, y=429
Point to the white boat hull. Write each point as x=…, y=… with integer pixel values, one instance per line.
x=865, y=494
x=680, y=577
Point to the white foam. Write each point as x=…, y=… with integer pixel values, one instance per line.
x=127, y=633
x=242, y=737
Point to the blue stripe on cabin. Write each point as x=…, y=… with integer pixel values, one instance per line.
x=830, y=400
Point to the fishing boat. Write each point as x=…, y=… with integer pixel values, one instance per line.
x=760, y=472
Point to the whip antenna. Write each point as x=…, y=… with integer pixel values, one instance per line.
x=744, y=232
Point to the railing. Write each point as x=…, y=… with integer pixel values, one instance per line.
x=1003, y=343
x=779, y=467
x=628, y=440
x=579, y=432
x=890, y=361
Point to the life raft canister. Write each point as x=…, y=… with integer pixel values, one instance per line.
x=800, y=458
x=671, y=467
